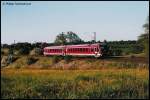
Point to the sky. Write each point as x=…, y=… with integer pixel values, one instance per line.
x=42, y=21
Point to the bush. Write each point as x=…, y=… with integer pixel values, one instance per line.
x=36, y=51
x=55, y=59
x=24, y=51
x=31, y=60
x=67, y=59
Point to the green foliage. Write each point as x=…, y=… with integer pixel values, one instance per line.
x=24, y=51
x=70, y=37
x=31, y=60
x=61, y=39
x=75, y=85
x=10, y=51
x=38, y=51
x=67, y=59
x=55, y=59
x=124, y=47
x=144, y=38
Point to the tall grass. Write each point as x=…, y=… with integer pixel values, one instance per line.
x=77, y=84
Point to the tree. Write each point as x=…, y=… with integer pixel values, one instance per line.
x=70, y=37
x=24, y=51
x=144, y=38
x=61, y=39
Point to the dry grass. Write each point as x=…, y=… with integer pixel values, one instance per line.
x=106, y=83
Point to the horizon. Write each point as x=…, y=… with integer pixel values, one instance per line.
x=43, y=21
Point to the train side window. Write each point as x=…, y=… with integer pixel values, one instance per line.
x=92, y=50
x=80, y=49
x=86, y=49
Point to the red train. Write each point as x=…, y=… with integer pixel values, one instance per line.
x=75, y=50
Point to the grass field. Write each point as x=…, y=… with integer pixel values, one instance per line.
x=75, y=84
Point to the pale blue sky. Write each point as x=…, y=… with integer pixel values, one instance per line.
x=42, y=21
